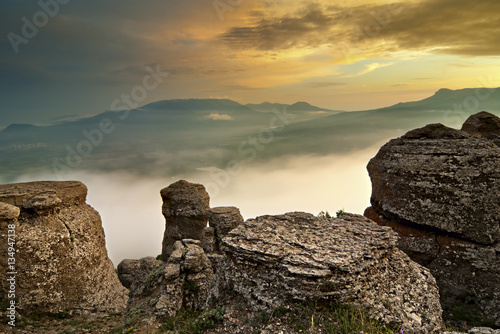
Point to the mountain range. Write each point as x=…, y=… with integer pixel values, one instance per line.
x=179, y=136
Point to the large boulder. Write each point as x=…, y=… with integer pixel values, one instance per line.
x=127, y=271
x=297, y=256
x=60, y=253
x=185, y=207
x=483, y=125
x=439, y=189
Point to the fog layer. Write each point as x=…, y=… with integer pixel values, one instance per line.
x=130, y=205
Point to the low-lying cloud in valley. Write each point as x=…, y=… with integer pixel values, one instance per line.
x=130, y=204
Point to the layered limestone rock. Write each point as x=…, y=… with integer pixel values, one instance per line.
x=185, y=207
x=439, y=189
x=297, y=256
x=61, y=259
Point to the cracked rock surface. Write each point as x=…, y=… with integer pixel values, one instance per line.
x=439, y=189
x=297, y=256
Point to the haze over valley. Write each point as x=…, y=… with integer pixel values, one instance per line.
x=264, y=159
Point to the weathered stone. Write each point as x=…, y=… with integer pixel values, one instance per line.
x=127, y=270
x=185, y=207
x=223, y=220
x=351, y=260
x=208, y=240
x=440, y=178
x=439, y=189
x=8, y=212
x=61, y=257
x=160, y=289
x=483, y=125
x=478, y=330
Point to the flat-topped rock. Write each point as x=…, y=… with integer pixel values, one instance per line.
x=19, y=193
x=297, y=256
x=61, y=256
x=185, y=208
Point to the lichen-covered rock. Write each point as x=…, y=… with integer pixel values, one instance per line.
x=272, y=259
x=483, y=125
x=61, y=257
x=185, y=207
x=440, y=178
x=439, y=189
x=160, y=289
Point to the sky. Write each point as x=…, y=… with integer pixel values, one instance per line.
x=72, y=58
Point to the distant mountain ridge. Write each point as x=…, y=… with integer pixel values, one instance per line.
x=448, y=99
x=172, y=137
x=190, y=105
x=296, y=107
x=195, y=104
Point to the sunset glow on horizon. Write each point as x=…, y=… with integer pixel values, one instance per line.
x=343, y=55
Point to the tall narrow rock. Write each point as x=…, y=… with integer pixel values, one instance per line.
x=185, y=208
x=60, y=253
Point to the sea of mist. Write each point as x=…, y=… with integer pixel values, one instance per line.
x=130, y=204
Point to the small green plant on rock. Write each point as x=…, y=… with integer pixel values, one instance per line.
x=194, y=322
x=324, y=214
x=154, y=276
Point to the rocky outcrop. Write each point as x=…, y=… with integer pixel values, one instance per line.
x=160, y=289
x=60, y=254
x=298, y=256
x=439, y=189
x=223, y=220
x=275, y=261
x=185, y=207
x=483, y=125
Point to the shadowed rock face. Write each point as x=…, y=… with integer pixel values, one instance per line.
x=483, y=125
x=439, y=189
x=351, y=260
x=185, y=207
x=223, y=220
x=61, y=257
